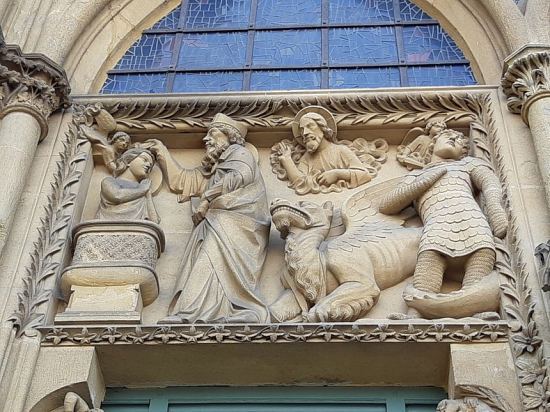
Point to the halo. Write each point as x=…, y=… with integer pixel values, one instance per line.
x=331, y=122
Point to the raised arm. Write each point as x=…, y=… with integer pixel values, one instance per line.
x=170, y=168
x=285, y=158
x=405, y=193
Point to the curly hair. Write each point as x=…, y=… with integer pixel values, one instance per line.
x=433, y=123
x=233, y=135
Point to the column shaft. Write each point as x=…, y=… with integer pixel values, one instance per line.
x=539, y=122
x=19, y=134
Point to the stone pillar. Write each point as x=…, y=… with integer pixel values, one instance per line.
x=526, y=83
x=472, y=373
x=31, y=88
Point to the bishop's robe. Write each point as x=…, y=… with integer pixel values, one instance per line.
x=223, y=259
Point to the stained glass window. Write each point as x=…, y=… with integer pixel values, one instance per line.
x=287, y=48
x=284, y=13
x=217, y=14
x=231, y=45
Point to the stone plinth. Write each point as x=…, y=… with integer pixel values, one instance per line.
x=112, y=274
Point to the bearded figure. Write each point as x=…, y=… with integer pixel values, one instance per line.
x=316, y=162
x=224, y=256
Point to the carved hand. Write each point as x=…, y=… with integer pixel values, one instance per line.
x=285, y=151
x=158, y=148
x=200, y=213
x=330, y=177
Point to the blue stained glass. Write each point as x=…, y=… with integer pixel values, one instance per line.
x=285, y=80
x=208, y=82
x=276, y=13
x=455, y=75
x=135, y=83
x=287, y=48
x=216, y=50
x=170, y=21
x=411, y=12
x=360, y=11
x=203, y=14
x=429, y=44
x=152, y=51
x=364, y=77
x=362, y=45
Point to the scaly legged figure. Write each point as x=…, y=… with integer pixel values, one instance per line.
x=479, y=264
x=429, y=271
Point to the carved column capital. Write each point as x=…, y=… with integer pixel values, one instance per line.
x=526, y=78
x=31, y=83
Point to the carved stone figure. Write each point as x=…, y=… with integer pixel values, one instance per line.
x=75, y=403
x=226, y=251
x=128, y=196
x=316, y=162
x=333, y=276
x=467, y=404
x=112, y=273
x=101, y=136
x=456, y=229
x=542, y=253
x=416, y=149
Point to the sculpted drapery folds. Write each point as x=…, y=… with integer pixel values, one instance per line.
x=455, y=228
x=316, y=162
x=224, y=256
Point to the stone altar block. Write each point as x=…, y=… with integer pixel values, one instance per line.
x=112, y=274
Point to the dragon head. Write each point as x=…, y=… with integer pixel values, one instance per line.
x=302, y=215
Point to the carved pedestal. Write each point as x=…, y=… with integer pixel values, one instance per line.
x=112, y=274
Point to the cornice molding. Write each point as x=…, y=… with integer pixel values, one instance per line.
x=31, y=83
x=526, y=78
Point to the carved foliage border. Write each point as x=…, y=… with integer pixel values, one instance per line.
x=277, y=333
x=358, y=109
x=262, y=112
x=47, y=255
x=518, y=303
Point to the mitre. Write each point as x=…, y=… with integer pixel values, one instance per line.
x=222, y=120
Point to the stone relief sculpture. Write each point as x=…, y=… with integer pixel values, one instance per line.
x=315, y=161
x=332, y=276
x=468, y=404
x=128, y=196
x=111, y=145
x=457, y=230
x=75, y=403
x=112, y=273
x=226, y=251
x=415, y=151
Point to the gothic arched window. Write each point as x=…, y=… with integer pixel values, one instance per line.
x=232, y=45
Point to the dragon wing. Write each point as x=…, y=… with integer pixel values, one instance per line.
x=361, y=221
